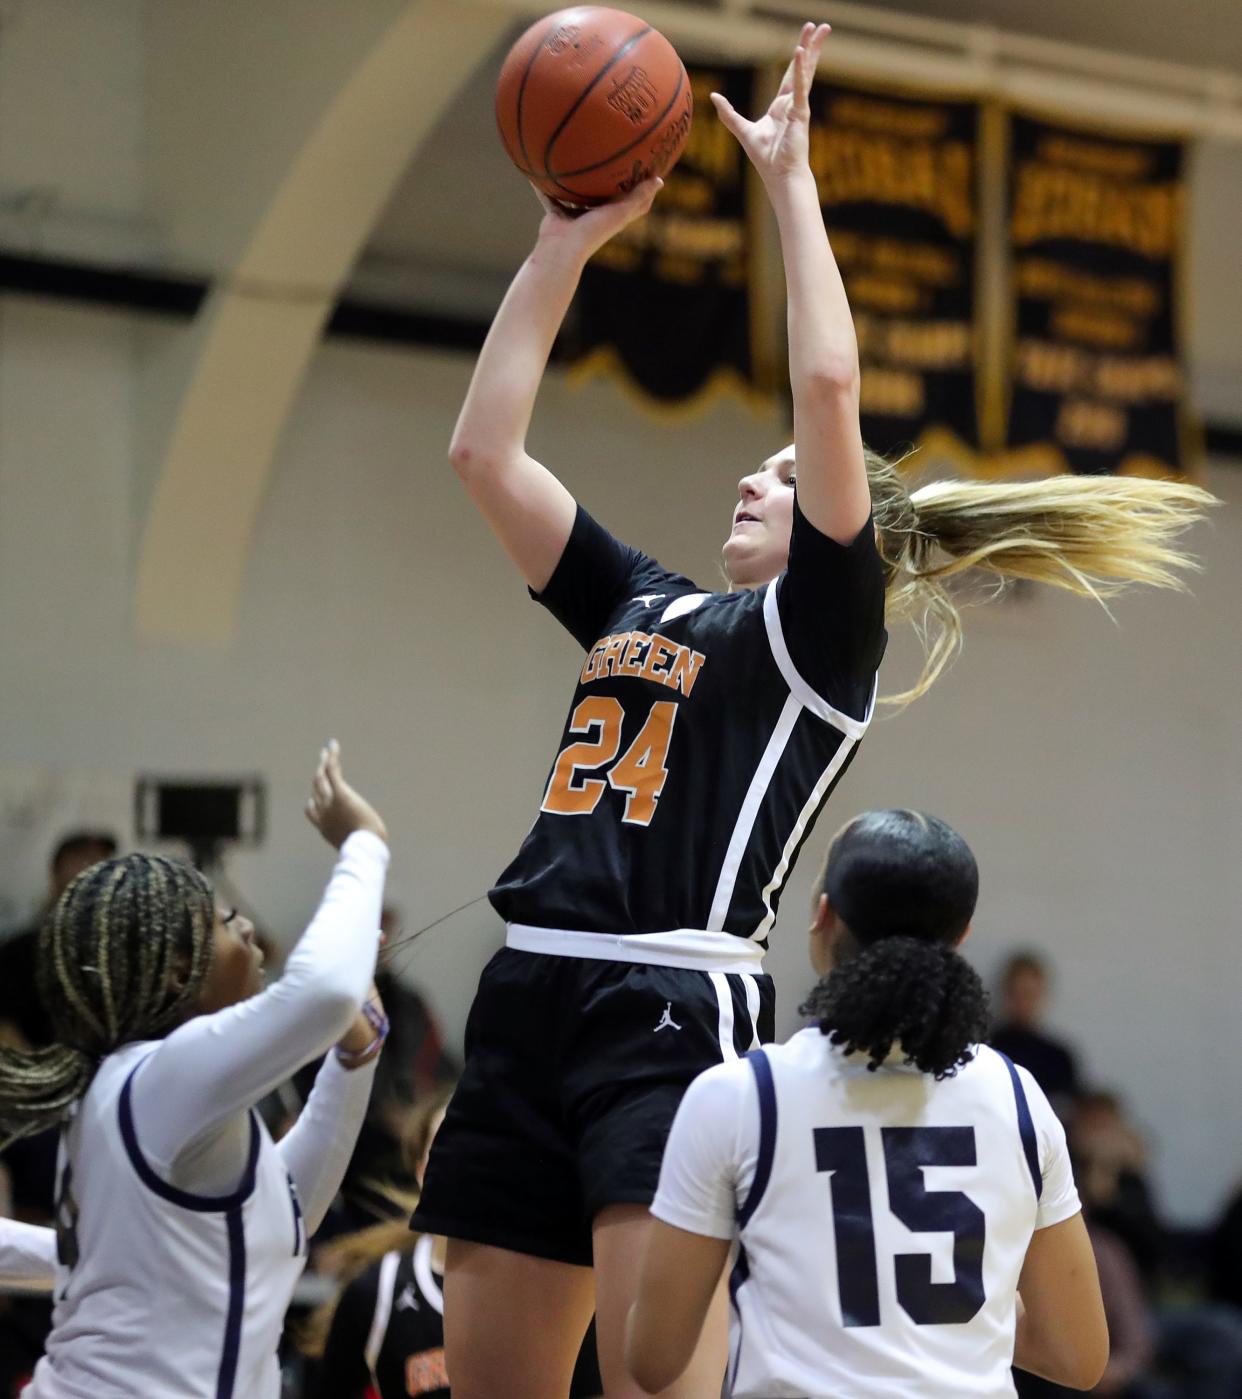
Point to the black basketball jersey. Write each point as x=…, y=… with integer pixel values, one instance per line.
x=706, y=733
x=387, y=1335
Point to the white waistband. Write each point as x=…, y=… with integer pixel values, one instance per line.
x=679, y=947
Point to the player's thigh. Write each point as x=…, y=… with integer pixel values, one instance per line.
x=513, y=1323
x=620, y=1238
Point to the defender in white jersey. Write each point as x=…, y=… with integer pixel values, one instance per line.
x=891, y=1183
x=181, y=1226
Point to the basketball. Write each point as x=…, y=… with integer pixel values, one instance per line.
x=590, y=102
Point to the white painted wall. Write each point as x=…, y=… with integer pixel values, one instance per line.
x=1095, y=768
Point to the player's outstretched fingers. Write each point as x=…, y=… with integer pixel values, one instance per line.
x=730, y=118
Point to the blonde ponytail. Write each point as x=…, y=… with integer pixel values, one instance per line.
x=1091, y=535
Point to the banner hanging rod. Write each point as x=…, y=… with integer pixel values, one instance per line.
x=873, y=45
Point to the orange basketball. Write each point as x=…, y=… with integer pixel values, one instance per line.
x=591, y=101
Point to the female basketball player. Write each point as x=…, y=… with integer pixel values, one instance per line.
x=845, y=1160
x=384, y=1335
x=181, y=1227
x=706, y=732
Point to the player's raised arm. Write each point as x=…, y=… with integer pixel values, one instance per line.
x=823, y=351
x=530, y=511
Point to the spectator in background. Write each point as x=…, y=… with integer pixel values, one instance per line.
x=1198, y=1347
x=19, y=1004
x=1024, y=999
x=1111, y=1158
x=1225, y=1256
x=30, y=1163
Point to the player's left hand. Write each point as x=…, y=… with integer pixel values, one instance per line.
x=778, y=144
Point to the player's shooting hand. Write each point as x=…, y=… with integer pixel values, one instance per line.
x=335, y=809
x=580, y=234
x=778, y=144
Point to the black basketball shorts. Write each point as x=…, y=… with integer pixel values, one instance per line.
x=574, y=1070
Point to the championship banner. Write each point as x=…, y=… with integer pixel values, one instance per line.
x=1096, y=232
x=898, y=187
x=665, y=306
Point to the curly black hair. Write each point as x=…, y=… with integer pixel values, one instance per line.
x=900, y=991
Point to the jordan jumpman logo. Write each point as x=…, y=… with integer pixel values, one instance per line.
x=666, y=1019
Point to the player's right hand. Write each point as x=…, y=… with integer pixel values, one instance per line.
x=335, y=809
x=583, y=233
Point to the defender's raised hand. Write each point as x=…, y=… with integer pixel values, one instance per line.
x=778, y=143
x=335, y=809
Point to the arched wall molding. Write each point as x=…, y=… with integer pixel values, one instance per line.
x=230, y=393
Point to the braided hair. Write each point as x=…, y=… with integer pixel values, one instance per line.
x=122, y=956
x=905, y=886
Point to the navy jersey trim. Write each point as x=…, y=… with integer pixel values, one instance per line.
x=206, y=1204
x=301, y=1240
x=230, y=1352
x=1026, y=1127
x=739, y=1275
x=766, y=1087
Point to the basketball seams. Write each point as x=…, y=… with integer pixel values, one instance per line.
x=636, y=65
x=682, y=83
x=625, y=48
x=526, y=162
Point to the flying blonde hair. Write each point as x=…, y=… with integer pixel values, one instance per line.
x=1091, y=535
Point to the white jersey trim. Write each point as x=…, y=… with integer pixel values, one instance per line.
x=383, y=1310
x=682, y=606
x=690, y=948
x=424, y=1274
x=811, y=806
x=853, y=728
x=724, y=1029
x=724, y=1026
x=746, y=817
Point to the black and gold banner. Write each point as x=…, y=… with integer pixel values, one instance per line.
x=666, y=305
x=897, y=183
x=1096, y=238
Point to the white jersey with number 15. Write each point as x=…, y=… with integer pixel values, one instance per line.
x=882, y=1217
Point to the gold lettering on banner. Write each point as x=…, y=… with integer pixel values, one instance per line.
x=893, y=393
x=886, y=293
x=1119, y=162
x=1053, y=281
x=1052, y=202
x=921, y=262
x=874, y=114
x=854, y=166
x=1101, y=427
x=1096, y=327
x=1067, y=369
x=710, y=147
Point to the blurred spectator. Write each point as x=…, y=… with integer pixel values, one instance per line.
x=31, y=1162
x=1018, y=1034
x=1225, y=1256
x=1111, y=1170
x=1198, y=1349
x=19, y=1002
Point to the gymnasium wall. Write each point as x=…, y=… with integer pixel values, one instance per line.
x=1095, y=767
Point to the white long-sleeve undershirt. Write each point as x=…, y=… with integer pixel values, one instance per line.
x=192, y=1096
x=27, y=1254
